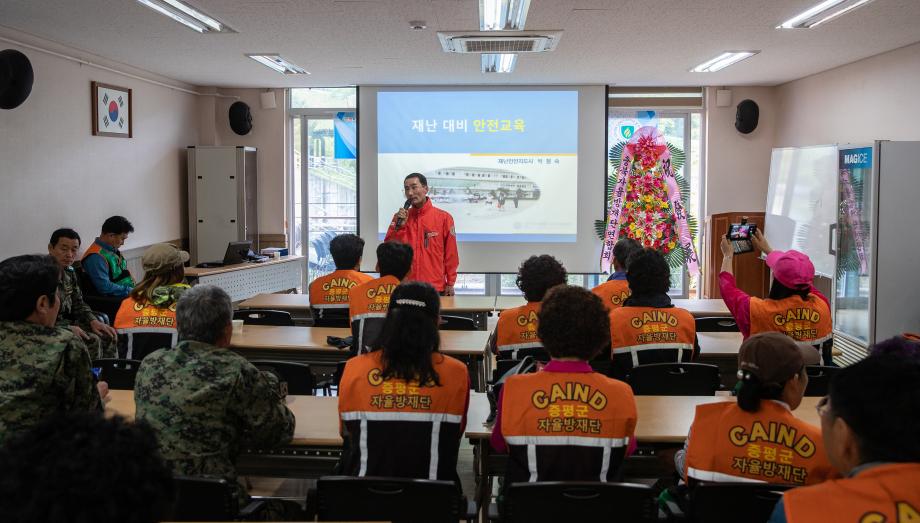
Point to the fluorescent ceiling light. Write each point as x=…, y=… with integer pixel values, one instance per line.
x=818, y=14
x=276, y=62
x=186, y=15
x=722, y=61
x=498, y=63
x=502, y=15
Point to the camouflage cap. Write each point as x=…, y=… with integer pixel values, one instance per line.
x=163, y=257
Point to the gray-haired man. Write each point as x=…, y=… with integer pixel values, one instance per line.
x=204, y=401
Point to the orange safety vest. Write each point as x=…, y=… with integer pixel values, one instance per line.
x=640, y=335
x=885, y=493
x=517, y=329
x=613, y=293
x=399, y=428
x=566, y=426
x=367, y=308
x=770, y=445
x=144, y=328
x=806, y=321
x=331, y=291
x=118, y=265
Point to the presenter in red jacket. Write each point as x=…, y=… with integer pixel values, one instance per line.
x=430, y=233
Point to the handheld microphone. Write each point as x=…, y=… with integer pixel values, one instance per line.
x=400, y=221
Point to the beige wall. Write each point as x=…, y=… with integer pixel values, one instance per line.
x=267, y=135
x=54, y=173
x=872, y=99
x=738, y=165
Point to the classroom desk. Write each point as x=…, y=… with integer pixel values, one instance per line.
x=316, y=446
x=308, y=344
x=243, y=280
x=476, y=307
x=699, y=308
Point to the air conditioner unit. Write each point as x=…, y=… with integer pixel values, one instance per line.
x=499, y=41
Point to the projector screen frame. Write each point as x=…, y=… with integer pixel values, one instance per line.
x=579, y=257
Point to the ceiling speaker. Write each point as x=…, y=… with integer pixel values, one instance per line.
x=240, y=118
x=747, y=116
x=15, y=78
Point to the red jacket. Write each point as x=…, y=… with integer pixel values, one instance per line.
x=430, y=233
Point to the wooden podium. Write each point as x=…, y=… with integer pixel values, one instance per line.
x=751, y=273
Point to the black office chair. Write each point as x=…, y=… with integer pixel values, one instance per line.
x=716, y=324
x=585, y=502
x=674, y=379
x=326, y=381
x=819, y=377
x=264, y=317
x=298, y=377
x=345, y=498
x=733, y=502
x=457, y=323
x=118, y=373
x=326, y=317
x=210, y=499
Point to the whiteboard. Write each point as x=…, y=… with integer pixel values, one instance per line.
x=802, y=203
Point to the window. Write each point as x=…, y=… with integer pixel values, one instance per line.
x=324, y=181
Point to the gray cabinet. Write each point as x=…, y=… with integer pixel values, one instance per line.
x=222, y=199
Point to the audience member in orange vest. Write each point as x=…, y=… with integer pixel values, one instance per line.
x=367, y=303
x=758, y=438
x=566, y=422
x=104, y=263
x=648, y=328
x=615, y=290
x=146, y=320
x=870, y=421
x=403, y=406
x=330, y=292
x=794, y=306
x=517, y=328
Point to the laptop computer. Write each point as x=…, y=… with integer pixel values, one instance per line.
x=237, y=252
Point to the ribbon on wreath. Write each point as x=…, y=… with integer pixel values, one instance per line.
x=647, y=148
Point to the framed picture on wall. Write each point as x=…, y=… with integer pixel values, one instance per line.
x=112, y=114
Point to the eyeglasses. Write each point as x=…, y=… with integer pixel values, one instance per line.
x=823, y=406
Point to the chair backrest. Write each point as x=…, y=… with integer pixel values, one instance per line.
x=346, y=498
x=297, y=377
x=578, y=501
x=674, y=379
x=716, y=324
x=329, y=317
x=204, y=499
x=456, y=323
x=732, y=502
x=264, y=317
x=118, y=373
x=819, y=377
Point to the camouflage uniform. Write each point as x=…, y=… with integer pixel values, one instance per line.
x=206, y=403
x=43, y=370
x=75, y=312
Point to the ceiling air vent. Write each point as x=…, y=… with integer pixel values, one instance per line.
x=505, y=42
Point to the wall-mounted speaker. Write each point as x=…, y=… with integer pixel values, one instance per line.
x=747, y=116
x=723, y=97
x=15, y=78
x=240, y=118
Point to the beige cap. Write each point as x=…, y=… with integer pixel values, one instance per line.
x=773, y=357
x=163, y=257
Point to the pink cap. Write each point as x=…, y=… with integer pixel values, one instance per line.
x=791, y=268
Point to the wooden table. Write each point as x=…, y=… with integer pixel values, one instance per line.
x=243, y=280
x=316, y=445
x=699, y=308
x=308, y=344
x=476, y=307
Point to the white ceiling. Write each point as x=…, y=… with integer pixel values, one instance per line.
x=345, y=42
